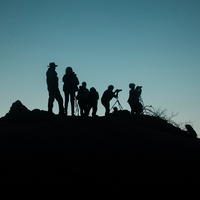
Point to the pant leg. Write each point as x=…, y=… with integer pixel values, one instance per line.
x=50, y=101
x=80, y=103
x=88, y=109
x=72, y=95
x=66, y=100
x=107, y=107
x=94, y=109
x=60, y=102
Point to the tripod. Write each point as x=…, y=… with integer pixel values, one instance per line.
x=147, y=110
x=76, y=106
x=119, y=104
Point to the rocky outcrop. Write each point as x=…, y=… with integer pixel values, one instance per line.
x=18, y=108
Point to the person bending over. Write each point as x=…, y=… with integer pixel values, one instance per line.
x=106, y=98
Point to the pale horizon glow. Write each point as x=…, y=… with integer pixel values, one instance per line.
x=154, y=44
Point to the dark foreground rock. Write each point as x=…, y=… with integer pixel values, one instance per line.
x=96, y=158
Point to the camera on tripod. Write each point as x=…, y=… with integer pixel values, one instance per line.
x=117, y=92
x=117, y=101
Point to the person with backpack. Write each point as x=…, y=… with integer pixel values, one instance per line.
x=82, y=98
x=134, y=99
x=70, y=86
x=93, y=97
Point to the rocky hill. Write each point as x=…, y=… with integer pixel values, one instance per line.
x=119, y=156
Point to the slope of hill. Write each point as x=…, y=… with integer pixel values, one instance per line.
x=120, y=156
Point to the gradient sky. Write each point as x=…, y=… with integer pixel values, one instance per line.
x=153, y=43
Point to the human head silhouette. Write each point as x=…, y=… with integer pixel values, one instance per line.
x=92, y=89
x=132, y=86
x=84, y=84
x=110, y=87
x=69, y=70
x=115, y=109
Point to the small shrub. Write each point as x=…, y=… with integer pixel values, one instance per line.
x=163, y=114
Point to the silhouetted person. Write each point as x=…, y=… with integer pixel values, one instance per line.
x=70, y=87
x=52, y=86
x=134, y=99
x=83, y=98
x=106, y=98
x=93, y=97
x=192, y=133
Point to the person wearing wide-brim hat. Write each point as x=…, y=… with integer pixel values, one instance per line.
x=52, y=86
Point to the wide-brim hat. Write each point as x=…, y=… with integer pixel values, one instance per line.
x=52, y=64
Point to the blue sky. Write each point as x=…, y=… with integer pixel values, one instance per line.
x=154, y=43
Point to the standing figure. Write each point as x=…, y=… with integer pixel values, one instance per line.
x=52, y=86
x=83, y=98
x=106, y=98
x=134, y=99
x=70, y=87
x=93, y=101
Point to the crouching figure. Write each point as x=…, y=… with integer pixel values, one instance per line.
x=134, y=99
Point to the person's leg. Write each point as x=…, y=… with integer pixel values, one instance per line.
x=139, y=108
x=66, y=100
x=94, y=107
x=50, y=102
x=81, y=107
x=85, y=106
x=60, y=102
x=88, y=109
x=107, y=107
x=72, y=95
